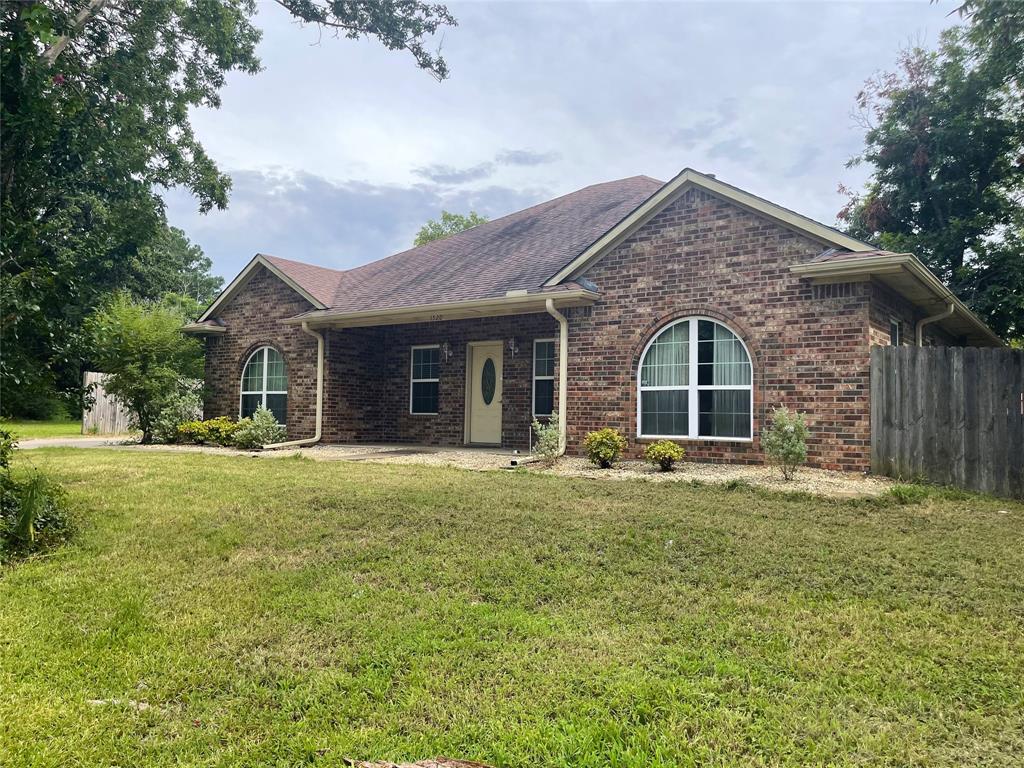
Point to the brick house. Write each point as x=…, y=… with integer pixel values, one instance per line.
x=685, y=310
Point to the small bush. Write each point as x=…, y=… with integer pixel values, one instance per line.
x=604, y=447
x=218, y=431
x=259, y=430
x=785, y=441
x=547, y=438
x=7, y=445
x=663, y=454
x=179, y=408
x=33, y=514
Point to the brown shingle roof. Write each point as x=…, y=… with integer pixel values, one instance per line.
x=518, y=251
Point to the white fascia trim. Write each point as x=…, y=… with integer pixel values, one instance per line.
x=534, y=302
x=243, y=277
x=689, y=177
x=865, y=267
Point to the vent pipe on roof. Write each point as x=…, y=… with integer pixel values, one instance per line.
x=934, y=318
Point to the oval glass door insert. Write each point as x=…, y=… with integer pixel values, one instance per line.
x=488, y=381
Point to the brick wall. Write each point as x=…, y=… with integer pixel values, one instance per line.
x=704, y=256
x=368, y=398
x=887, y=305
x=253, y=319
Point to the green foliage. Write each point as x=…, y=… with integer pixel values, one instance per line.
x=943, y=138
x=449, y=224
x=664, y=454
x=604, y=447
x=909, y=493
x=547, y=442
x=33, y=514
x=785, y=441
x=178, y=408
x=258, y=430
x=95, y=108
x=218, y=431
x=7, y=445
x=148, y=360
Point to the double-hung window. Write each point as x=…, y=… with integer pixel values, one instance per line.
x=543, y=377
x=425, y=380
x=695, y=381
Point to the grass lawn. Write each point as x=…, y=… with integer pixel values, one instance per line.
x=237, y=611
x=28, y=430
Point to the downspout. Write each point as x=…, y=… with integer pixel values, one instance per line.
x=563, y=371
x=934, y=318
x=319, y=393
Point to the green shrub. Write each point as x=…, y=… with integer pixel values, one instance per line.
x=179, y=408
x=7, y=445
x=785, y=441
x=604, y=447
x=663, y=454
x=259, y=430
x=33, y=514
x=218, y=431
x=547, y=442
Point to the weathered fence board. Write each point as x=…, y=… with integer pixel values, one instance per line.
x=106, y=416
x=954, y=415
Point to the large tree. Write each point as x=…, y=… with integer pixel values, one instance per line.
x=94, y=102
x=945, y=141
x=446, y=226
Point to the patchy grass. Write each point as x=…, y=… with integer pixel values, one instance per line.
x=238, y=611
x=29, y=430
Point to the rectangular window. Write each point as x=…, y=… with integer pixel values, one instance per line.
x=895, y=337
x=543, y=377
x=425, y=380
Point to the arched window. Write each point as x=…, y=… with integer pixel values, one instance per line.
x=695, y=380
x=264, y=382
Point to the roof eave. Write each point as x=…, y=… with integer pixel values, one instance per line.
x=457, y=310
x=202, y=329
x=689, y=177
x=887, y=265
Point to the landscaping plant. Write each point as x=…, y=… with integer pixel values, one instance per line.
x=218, y=431
x=547, y=436
x=604, y=447
x=664, y=454
x=785, y=441
x=259, y=430
x=180, y=408
x=148, y=360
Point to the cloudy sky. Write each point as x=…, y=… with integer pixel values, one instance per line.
x=340, y=150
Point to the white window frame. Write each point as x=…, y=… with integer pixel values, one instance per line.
x=262, y=393
x=898, y=340
x=536, y=378
x=412, y=381
x=693, y=388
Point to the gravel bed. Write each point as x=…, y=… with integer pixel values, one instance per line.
x=818, y=481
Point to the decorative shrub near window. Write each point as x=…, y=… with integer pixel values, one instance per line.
x=664, y=454
x=696, y=381
x=265, y=383
x=604, y=447
x=785, y=441
x=547, y=436
x=258, y=430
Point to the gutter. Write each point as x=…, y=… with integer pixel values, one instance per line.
x=319, y=395
x=563, y=371
x=934, y=318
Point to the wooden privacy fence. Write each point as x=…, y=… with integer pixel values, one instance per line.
x=105, y=416
x=953, y=415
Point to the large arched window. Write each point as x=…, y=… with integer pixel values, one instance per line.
x=264, y=382
x=695, y=381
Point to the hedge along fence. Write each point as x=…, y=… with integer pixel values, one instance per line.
x=953, y=415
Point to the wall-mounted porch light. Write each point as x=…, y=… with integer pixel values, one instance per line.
x=446, y=351
x=512, y=346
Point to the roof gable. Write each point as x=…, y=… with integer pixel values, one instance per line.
x=688, y=179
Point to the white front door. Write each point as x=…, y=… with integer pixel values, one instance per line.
x=484, y=396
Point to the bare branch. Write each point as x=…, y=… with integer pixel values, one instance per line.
x=56, y=48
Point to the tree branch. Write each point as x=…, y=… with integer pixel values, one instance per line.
x=56, y=48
